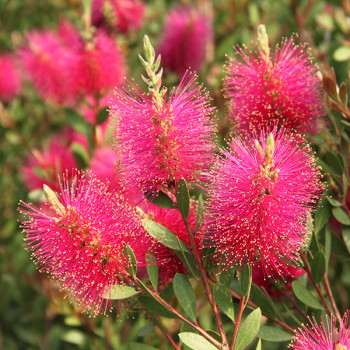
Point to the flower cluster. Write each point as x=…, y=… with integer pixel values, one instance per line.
x=161, y=143
x=261, y=195
x=324, y=336
x=283, y=89
x=79, y=238
x=64, y=66
x=186, y=35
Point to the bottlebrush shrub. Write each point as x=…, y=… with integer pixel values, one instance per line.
x=64, y=67
x=56, y=157
x=261, y=195
x=186, y=34
x=322, y=336
x=283, y=88
x=10, y=80
x=160, y=144
x=123, y=15
x=79, y=240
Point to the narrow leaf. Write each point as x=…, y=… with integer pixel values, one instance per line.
x=341, y=216
x=333, y=202
x=102, y=115
x=322, y=214
x=345, y=230
x=183, y=198
x=196, y=341
x=163, y=235
x=161, y=199
x=246, y=280
x=258, y=346
x=119, y=292
x=273, y=334
x=185, y=295
x=259, y=298
x=223, y=299
x=226, y=276
x=200, y=208
x=154, y=307
x=305, y=296
x=248, y=330
x=152, y=269
x=129, y=253
x=318, y=266
x=80, y=155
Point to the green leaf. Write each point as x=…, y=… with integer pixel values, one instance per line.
x=338, y=247
x=342, y=54
x=39, y=172
x=129, y=253
x=258, y=346
x=341, y=216
x=78, y=122
x=334, y=162
x=139, y=346
x=200, y=209
x=318, y=266
x=226, y=276
x=80, y=155
x=248, y=330
x=163, y=235
x=152, y=269
x=345, y=230
x=265, y=303
x=154, y=307
x=223, y=299
x=183, y=198
x=345, y=183
x=185, y=295
x=146, y=329
x=188, y=260
x=322, y=214
x=196, y=341
x=102, y=115
x=273, y=334
x=245, y=280
x=305, y=296
x=119, y=292
x=333, y=202
x=161, y=199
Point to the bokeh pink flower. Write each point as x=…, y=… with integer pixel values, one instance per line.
x=10, y=79
x=123, y=15
x=185, y=37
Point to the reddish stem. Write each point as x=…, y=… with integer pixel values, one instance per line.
x=238, y=321
x=328, y=289
x=207, y=289
x=318, y=289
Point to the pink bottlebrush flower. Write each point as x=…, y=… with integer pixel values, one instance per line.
x=281, y=89
x=80, y=239
x=186, y=34
x=324, y=336
x=105, y=166
x=43, y=165
x=101, y=66
x=10, y=81
x=51, y=66
x=260, y=200
x=124, y=15
x=159, y=145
